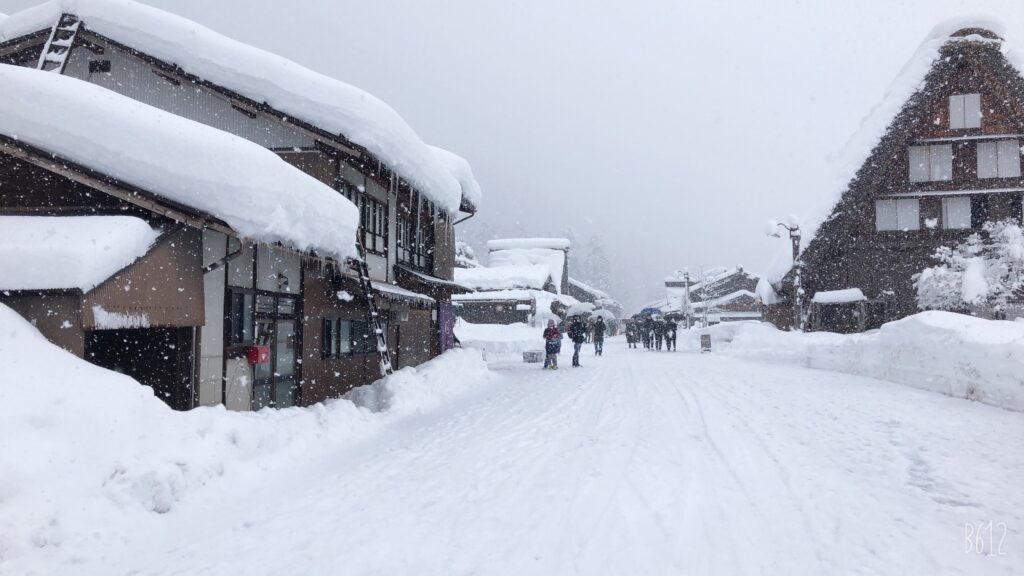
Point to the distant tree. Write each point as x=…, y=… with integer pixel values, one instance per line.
x=987, y=269
x=465, y=256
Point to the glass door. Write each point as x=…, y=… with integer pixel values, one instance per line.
x=263, y=374
x=284, y=357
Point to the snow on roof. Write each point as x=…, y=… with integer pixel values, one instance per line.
x=391, y=289
x=874, y=126
x=766, y=293
x=587, y=288
x=723, y=299
x=581, y=309
x=459, y=168
x=247, y=186
x=504, y=277
x=543, y=297
x=68, y=252
x=527, y=243
x=327, y=103
x=530, y=252
x=838, y=296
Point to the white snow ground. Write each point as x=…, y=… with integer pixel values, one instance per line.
x=637, y=463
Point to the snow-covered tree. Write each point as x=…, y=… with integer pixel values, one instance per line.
x=465, y=256
x=987, y=269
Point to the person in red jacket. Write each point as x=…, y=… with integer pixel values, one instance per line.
x=552, y=345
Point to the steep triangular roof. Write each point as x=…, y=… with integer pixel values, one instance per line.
x=890, y=123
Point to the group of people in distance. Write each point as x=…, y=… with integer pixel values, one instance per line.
x=652, y=332
x=579, y=331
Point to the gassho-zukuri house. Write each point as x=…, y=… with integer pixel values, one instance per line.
x=942, y=155
x=526, y=280
x=184, y=208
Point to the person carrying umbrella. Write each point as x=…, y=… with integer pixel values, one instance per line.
x=659, y=333
x=578, y=334
x=670, y=334
x=599, y=329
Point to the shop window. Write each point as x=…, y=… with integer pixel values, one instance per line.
x=240, y=317
x=374, y=222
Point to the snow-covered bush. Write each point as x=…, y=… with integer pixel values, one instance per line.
x=987, y=269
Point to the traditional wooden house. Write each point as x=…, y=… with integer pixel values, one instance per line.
x=599, y=298
x=718, y=295
x=944, y=158
x=527, y=280
x=407, y=195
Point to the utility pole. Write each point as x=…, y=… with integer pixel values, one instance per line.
x=686, y=281
x=794, y=237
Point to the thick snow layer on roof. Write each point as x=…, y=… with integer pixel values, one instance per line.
x=859, y=147
x=553, y=259
x=766, y=293
x=399, y=292
x=327, y=103
x=511, y=243
x=722, y=300
x=247, y=186
x=838, y=296
x=587, y=288
x=505, y=277
x=459, y=168
x=68, y=252
x=543, y=297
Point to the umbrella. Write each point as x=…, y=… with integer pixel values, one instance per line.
x=650, y=312
x=607, y=315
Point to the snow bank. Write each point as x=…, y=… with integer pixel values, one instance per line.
x=189, y=163
x=261, y=76
x=64, y=252
x=82, y=447
x=504, y=277
x=419, y=389
x=499, y=340
x=954, y=354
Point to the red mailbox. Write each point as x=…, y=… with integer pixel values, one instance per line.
x=257, y=354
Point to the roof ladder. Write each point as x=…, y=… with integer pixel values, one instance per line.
x=383, y=354
x=55, y=52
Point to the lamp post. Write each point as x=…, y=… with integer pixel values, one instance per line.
x=794, y=236
x=686, y=283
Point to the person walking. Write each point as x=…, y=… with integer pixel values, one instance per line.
x=671, y=329
x=577, y=333
x=646, y=328
x=659, y=333
x=630, y=334
x=552, y=345
x=599, y=329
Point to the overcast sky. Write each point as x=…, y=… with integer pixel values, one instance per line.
x=673, y=128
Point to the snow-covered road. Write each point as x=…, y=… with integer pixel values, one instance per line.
x=637, y=463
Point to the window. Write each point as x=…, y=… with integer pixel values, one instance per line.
x=956, y=213
x=240, y=317
x=965, y=111
x=897, y=214
x=337, y=337
x=375, y=225
x=99, y=66
x=930, y=163
x=1000, y=159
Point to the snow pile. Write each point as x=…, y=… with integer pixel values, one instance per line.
x=504, y=277
x=82, y=447
x=954, y=354
x=499, y=340
x=65, y=252
x=106, y=320
x=183, y=161
x=327, y=103
x=581, y=309
x=459, y=168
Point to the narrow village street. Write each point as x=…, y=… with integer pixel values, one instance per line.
x=637, y=463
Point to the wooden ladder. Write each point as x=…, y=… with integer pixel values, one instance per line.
x=55, y=53
x=383, y=354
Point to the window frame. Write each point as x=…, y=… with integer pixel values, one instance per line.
x=896, y=204
x=965, y=112
x=946, y=202
x=1005, y=155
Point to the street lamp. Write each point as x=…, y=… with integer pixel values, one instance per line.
x=685, y=308
x=794, y=236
